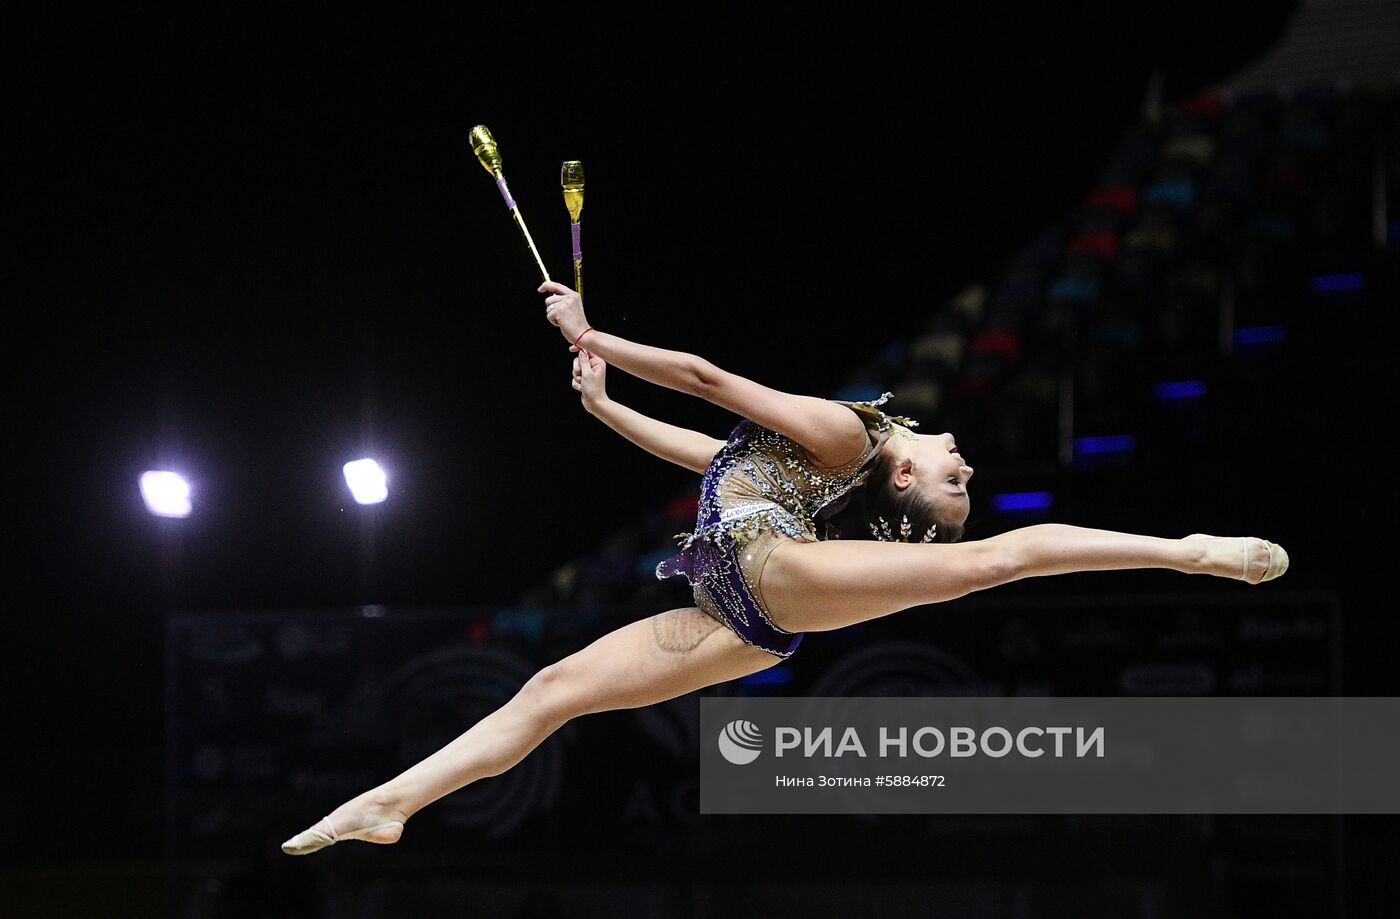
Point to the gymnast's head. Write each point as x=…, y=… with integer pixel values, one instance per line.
x=920, y=477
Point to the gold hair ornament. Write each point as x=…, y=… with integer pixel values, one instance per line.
x=884, y=533
x=874, y=405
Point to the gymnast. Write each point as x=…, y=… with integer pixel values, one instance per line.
x=760, y=573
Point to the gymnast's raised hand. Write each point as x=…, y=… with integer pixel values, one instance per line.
x=564, y=308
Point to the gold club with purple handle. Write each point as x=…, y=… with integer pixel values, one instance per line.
x=484, y=146
x=571, y=178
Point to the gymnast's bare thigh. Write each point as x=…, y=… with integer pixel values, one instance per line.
x=773, y=581
x=676, y=651
x=810, y=586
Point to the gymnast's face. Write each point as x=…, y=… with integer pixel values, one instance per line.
x=935, y=467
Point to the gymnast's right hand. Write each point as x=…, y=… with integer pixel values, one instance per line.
x=589, y=379
x=564, y=308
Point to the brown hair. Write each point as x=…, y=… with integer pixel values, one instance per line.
x=882, y=499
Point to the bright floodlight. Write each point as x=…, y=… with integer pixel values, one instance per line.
x=366, y=481
x=166, y=494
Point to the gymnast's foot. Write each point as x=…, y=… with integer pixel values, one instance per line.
x=1243, y=558
x=357, y=819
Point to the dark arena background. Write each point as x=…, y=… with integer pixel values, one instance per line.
x=1141, y=258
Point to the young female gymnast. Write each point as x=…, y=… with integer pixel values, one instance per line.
x=760, y=576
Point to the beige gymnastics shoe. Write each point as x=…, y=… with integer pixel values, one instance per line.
x=308, y=841
x=1277, y=558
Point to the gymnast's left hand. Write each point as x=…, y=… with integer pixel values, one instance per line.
x=564, y=308
x=590, y=380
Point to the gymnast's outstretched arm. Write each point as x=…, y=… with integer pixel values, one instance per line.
x=831, y=433
x=681, y=446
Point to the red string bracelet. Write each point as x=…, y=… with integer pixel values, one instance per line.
x=580, y=336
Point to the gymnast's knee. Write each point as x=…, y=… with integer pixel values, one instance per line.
x=547, y=694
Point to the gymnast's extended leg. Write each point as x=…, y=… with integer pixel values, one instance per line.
x=827, y=585
x=644, y=662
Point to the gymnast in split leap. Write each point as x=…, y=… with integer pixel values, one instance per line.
x=760, y=574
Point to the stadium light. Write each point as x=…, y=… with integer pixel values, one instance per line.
x=1184, y=389
x=1330, y=283
x=166, y=494
x=366, y=480
x=1023, y=501
x=1113, y=443
x=1260, y=335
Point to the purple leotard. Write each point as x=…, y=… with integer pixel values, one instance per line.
x=761, y=489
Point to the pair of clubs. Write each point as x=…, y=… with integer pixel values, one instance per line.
x=570, y=178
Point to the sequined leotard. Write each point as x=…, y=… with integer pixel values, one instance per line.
x=760, y=489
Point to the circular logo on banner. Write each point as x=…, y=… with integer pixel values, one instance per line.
x=741, y=742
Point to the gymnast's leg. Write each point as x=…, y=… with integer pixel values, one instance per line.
x=819, y=586
x=648, y=661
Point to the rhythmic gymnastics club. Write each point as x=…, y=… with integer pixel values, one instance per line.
x=571, y=178
x=484, y=146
